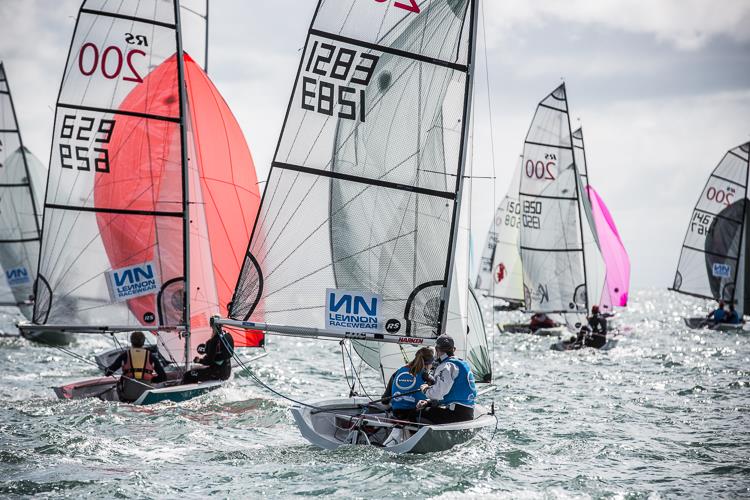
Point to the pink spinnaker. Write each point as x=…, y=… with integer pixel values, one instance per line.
x=616, y=258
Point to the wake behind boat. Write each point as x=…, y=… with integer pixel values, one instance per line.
x=149, y=168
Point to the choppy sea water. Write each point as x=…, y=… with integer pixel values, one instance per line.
x=665, y=414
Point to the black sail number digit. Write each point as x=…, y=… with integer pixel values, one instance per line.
x=335, y=81
x=78, y=136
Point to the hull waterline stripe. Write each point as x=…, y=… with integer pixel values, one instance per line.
x=710, y=253
x=363, y=180
x=389, y=50
x=118, y=112
x=548, y=145
x=128, y=18
x=114, y=210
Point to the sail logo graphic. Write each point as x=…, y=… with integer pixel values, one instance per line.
x=721, y=270
x=353, y=311
x=17, y=276
x=133, y=281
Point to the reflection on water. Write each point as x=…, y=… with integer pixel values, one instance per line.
x=665, y=414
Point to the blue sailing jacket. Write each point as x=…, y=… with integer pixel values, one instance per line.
x=404, y=381
x=464, y=389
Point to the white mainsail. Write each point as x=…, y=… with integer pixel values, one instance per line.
x=365, y=188
x=20, y=212
x=713, y=260
x=500, y=272
x=561, y=262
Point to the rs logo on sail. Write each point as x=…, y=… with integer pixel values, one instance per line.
x=133, y=281
x=352, y=311
x=17, y=276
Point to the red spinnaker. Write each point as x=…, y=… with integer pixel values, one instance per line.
x=146, y=175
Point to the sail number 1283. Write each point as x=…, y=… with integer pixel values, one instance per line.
x=341, y=76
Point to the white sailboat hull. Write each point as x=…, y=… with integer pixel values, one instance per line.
x=333, y=423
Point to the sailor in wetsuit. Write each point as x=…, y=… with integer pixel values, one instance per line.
x=733, y=318
x=451, y=398
x=217, y=360
x=593, y=333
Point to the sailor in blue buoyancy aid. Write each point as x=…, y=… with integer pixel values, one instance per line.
x=407, y=380
x=451, y=398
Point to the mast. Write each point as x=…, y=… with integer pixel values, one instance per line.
x=205, y=51
x=23, y=153
x=578, y=202
x=743, y=247
x=185, y=182
x=469, y=87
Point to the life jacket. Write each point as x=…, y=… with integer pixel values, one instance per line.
x=138, y=364
x=404, y=381
x=464, y=389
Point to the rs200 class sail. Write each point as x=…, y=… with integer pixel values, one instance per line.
x=20, y=223
x=563, y=268
x=713, y=260
x=151, y=192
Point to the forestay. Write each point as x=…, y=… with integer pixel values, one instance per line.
x=500, y=272
x=130, y=223
x=361, y=204
x=712, y=262
x=561, y=262
x=19, y=206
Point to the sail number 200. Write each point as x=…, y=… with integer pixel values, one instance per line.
x=338, y=72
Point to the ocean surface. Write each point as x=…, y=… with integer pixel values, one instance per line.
x=665, y=414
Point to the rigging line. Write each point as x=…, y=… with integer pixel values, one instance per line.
x=356, y=374
x=351, y=386
x=494, y=177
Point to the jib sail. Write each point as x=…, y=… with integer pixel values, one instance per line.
x=20, y=222
x=130, y=223
x=712, y=261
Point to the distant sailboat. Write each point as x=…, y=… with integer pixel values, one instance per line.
x=564, y=272
x=616, y=260
x=360, y=235
x=21, y=190
x=713, y=262
x=151, y=194
x=500, y=274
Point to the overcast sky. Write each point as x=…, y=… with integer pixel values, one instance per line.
x=662, y=88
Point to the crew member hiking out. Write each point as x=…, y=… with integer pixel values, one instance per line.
x=452, y=397
x=217, y=360
x=593, y=333
x=138, y=364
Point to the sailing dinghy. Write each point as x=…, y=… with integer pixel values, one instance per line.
x=563, y=268
x=21, y=181
x=151, y=195
x=360, y=236
x=713, y=262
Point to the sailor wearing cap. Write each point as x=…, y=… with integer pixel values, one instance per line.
x=451, y=398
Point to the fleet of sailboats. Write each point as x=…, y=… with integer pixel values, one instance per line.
x=152, y=218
